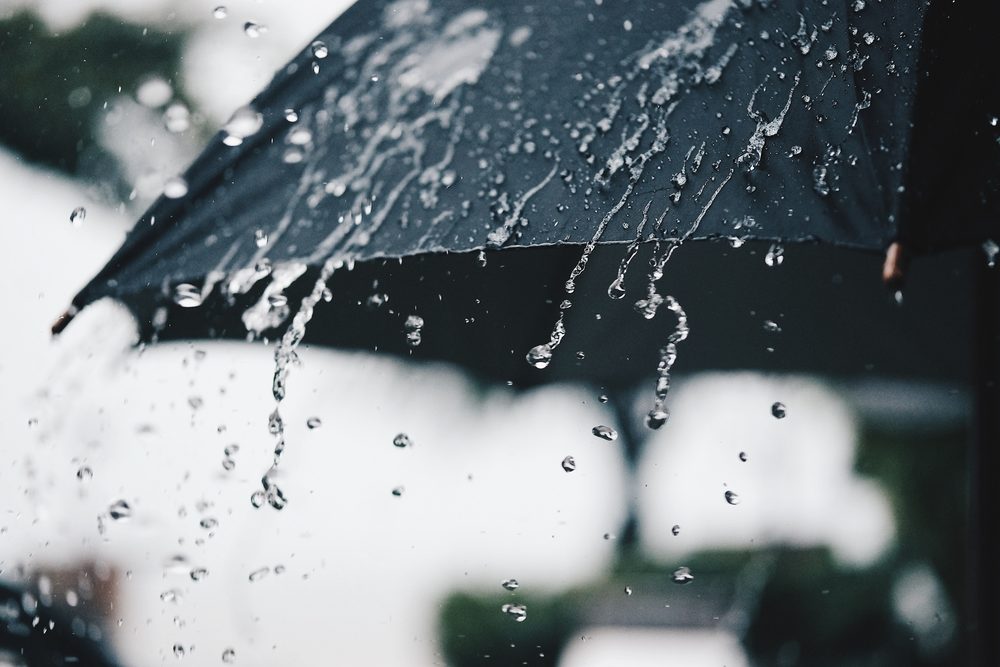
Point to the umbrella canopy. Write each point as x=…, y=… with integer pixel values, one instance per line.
x=428, y=131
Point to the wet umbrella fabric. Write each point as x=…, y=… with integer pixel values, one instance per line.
x=413, y=129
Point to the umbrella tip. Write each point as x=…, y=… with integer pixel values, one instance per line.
x=63, y=321
x=897, y=259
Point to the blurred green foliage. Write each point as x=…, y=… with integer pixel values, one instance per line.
x=474, y=632
x=53, y=87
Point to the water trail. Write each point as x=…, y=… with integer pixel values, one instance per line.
x=284, y=355
x=615, y=289
x=648, y=306
x=658, y=415
x=501, y=234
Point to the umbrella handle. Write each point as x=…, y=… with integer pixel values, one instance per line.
x=897, y=260
x=63, y=321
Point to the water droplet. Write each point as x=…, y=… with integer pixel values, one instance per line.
x=744, y=457
x=628, y=590
x=830, y=53
x=732, y=498
x=775, y=255
x=771, y=326
x=605, y=432
x=257, y=499
x=208, y=523
x=539, y=356
x=682, y=575
x=259, y=573
x=657, y=417
x=402, y=440
x=78, y=215
x=84, y=474
x=510, y=584
x=260, y=238
x=516, y=611
x=199, y=573
x=176, y=118
x=314, y=422
x=172, y=595
x=220, y=12
x=569, y=464
x=187, y=296
x=413, y=326
x=175, y=188
x=398, y=491
x=253, y=30
x=627, y=25
x=991, y=249
x=319, y=50
x=794, y=150
x=869, y=38
x=676, y=530
x=245, y=122
x=376, y=301
x=178, y=651
x=602, y=398
x=778, y=410
x=291, y=115
x=120, y=510
x=229, y=655
x=858, y=5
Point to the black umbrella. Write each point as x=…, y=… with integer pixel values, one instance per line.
x=387, y=164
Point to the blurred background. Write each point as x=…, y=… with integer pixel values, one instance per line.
x=835, y=535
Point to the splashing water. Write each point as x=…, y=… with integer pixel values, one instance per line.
x=284, y=355
x=658, y=415
x=605, y=432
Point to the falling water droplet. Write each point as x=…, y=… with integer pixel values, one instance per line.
x=413, y=326
x=628, y=590
x=319, y=50
x=175, y=188
x=245, y=122
x=605, y=432
x=991, y=249
x=176, y=118
x=569, y=464
x=657, y=417
x=260, y=238
x=402, y=440
x=78, y=215
x=744, y=457
x=84, y=474
x=775, y=255
x=676, y=530
x=732, y=498
x=778, y=410
x=220, y=12
x=858, y=5
x=120, y=510
x=376, y=301
x=291, y=115
x=314, y=422
x=198, y=573
x=539, y=356
x=253, y=29
x=229, y=655
x=208, y=523
x=398, y=491
x=682, y=575
x=257, y=499
x=510, y=584
x=187, y=296
x=178, y=651
x=172, y=595
x=771, y=326
x=516, y=611
x=259, y=573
